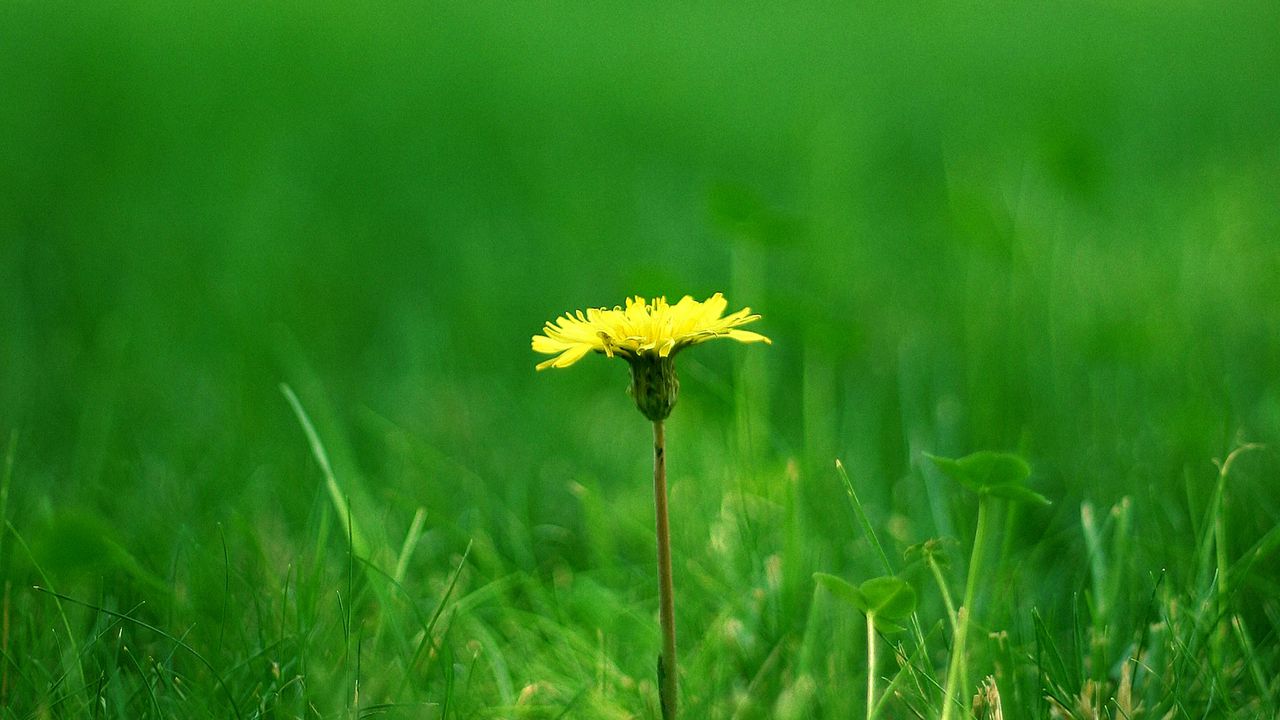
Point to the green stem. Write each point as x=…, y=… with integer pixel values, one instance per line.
x=957, y=671
x=975, y=562
x=953, y=666
x=942, y=587
x=667, y=668
x=871, y=664
x=952, y=620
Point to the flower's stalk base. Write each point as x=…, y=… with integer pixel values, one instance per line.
x=667, y=668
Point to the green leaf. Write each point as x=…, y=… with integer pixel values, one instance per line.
x=888, y=597
x=954, y=470
x=885, y=600
x=842, y=589
x=984, y=469
x=885, y=626
x=1017, y=493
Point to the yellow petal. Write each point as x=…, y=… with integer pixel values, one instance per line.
x=544, y=344
x=746, y=336
x=571, y=356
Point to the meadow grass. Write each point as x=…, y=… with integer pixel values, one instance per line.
x=451, y=622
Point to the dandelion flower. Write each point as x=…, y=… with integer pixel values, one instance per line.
x=647, y=334
x=644, y=327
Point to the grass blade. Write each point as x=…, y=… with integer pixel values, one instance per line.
x=358, y=543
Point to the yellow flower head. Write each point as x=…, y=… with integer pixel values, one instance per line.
x=647, y=334
x=653, y=329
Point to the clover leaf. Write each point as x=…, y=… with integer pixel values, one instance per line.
x=1001, y=475
x=886, y=601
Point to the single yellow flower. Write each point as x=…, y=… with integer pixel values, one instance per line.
x=643, y=328
x=647, y=334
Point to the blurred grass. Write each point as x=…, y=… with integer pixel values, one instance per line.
x=1049, y=229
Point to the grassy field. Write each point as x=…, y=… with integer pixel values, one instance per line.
x=274, y=447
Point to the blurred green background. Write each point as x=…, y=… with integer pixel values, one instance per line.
x=1046, y=228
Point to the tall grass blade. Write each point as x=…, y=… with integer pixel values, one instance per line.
x=410, y=542
x=861, y=514
x=358, y=542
